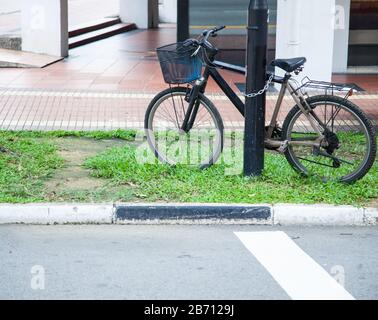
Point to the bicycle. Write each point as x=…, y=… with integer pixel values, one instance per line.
x=324, y=135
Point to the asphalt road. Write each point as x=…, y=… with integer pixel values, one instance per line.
x=179, y=262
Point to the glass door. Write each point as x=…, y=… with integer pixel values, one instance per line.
x=204, y=14
x=363, y=35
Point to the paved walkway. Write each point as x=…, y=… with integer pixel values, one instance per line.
x=25, y=109
x=108, y=85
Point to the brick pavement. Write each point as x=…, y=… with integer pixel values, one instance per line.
x=33, y=109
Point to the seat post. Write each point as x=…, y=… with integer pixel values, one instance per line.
x=287, y=77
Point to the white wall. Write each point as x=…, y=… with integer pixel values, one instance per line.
x=134, y=11
x=45, y=27
x=168, y=11
x=340, y=48
x=305, y=28
x=7, y=6
x=144, y=13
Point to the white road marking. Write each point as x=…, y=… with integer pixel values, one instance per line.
x=294, y=270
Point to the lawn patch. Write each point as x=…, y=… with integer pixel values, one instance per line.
x=279, y=184
x=78, y=166
x=24, y=166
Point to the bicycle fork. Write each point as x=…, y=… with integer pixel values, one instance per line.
x=194, y=104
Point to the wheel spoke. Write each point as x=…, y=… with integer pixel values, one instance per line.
x=346, y=143
x=201, y=146
x=315, y=162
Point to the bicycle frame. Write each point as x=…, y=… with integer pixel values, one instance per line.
x=286, y=86
x=311, y=135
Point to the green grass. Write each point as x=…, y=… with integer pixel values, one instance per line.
x=127, y=135
x=279, y=184
x=24, y=165
x=29, y=159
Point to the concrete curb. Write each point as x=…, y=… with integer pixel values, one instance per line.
x=318, y=215
x=56, y=214
x=184, y=214
x=193, y=214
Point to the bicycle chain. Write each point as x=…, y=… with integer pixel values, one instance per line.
x=262, y=91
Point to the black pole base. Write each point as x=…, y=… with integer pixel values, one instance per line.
x=254, y=137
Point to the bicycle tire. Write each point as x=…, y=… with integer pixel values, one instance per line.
x=348, y=105
x=159, y=98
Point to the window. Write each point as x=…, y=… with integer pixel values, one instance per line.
x=206, y=13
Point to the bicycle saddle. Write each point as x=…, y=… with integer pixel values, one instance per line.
x=289, y=65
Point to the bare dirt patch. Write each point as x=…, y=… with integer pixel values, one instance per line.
x=373, y=204
x=74, y=177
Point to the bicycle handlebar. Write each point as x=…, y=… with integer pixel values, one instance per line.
x=212, y=32
x=204, y=41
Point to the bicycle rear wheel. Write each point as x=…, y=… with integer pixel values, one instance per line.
x=200, y=147
x=350, y=148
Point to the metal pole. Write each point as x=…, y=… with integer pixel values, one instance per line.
x=256, y=79
x=182, y=20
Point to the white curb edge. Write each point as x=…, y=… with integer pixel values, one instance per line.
x=318, y=215
x=281, y=215
x=56, y=214
x=371, y=216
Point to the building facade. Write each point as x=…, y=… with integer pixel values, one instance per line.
x=333, y=34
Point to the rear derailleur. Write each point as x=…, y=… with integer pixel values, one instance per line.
x=330, y=143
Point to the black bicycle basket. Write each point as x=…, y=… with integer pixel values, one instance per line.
x=180, y=64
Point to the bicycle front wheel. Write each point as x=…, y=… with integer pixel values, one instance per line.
x=349, y=149
x=201, y=146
